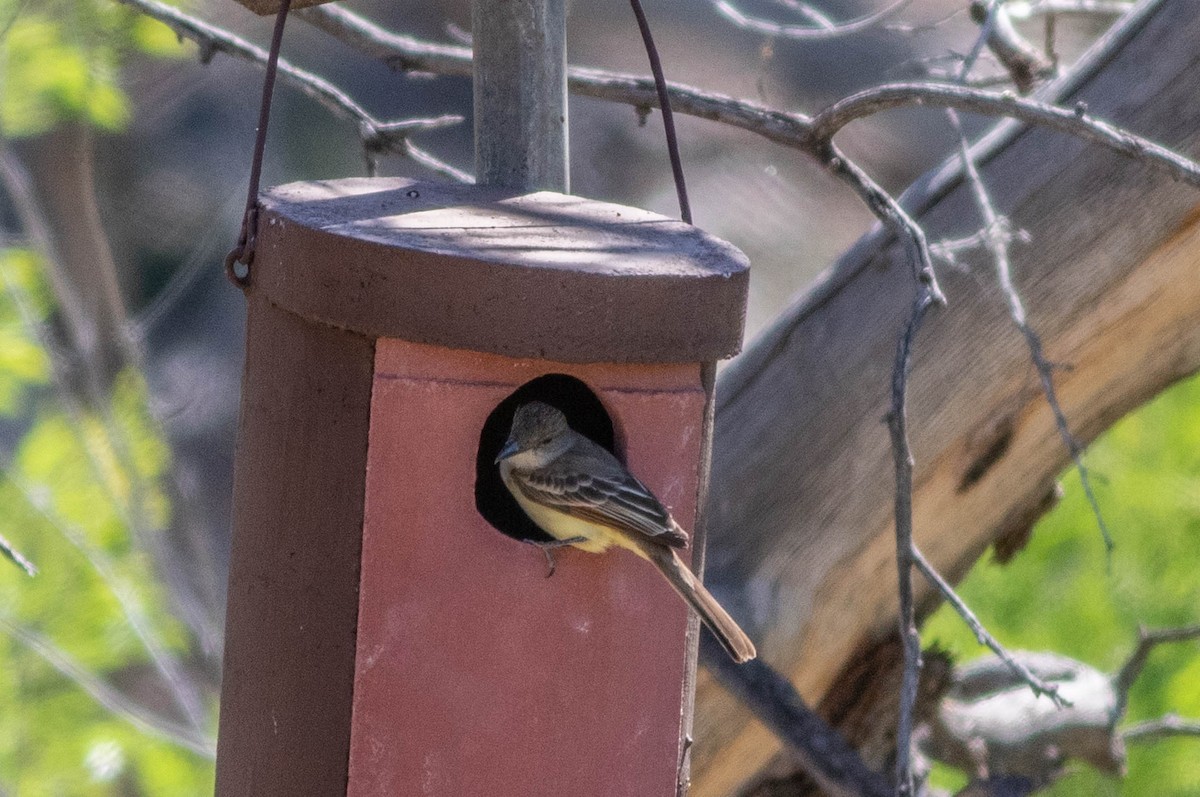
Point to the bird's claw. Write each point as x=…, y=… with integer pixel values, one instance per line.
x=548, y=550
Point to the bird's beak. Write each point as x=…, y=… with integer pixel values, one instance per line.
x=510, y=448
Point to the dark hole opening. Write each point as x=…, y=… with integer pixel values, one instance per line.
x=586, y=415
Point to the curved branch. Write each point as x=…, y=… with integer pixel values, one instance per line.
x=1161, y=728
x=376, y=134
x=807, y=32
x=789, y=129
x=106, y=695
x=1075, y=122
x=17, y=558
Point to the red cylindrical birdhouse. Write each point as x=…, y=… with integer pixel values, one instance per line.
x=388, y=630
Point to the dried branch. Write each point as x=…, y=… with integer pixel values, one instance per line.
x=1037, y=685
x=1026, y=66
x=1161, y=728
x=1147, y=640
x=822, y=752
x=1032, y=8
x=903, y=461
x=996, y=238
x=134, y=614
x=796, y=130
x=13, y=555
x=133, y=515
x=989, y=721
x=825, y=29
x=107, y=695
x=888, y=210
x=1073, y=122
x=182, y=689
x=376, y=135
x=399, y=52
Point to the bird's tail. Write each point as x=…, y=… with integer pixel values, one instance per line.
x=726, y=629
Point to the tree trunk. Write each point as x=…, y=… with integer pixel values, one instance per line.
x=800, y=514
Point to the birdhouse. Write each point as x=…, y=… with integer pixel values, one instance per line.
x=389, y=629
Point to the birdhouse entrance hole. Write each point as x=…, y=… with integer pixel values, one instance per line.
x=586, y=415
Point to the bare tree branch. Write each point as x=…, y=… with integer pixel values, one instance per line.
x=996, y=237
x=13, y=555
x=1161, y=728
x=377, y=135
x=791, y=129
x=984, y=637
x=1026, y=66
x=825, y=29
x=400, y=52
x=903, y=460
x=1027, y=9
x=1073, y=122
x=1147, y=640
x=106, y=695
x=822, y=751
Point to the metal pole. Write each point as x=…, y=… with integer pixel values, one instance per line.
x=521, y=93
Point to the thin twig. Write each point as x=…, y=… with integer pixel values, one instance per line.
x=791, y=129
x=400, y=52
x=106, y=695
x=1132, y=668
x=825, y=30
x=982, y=635
x=997, y=242
x=903, y=462
x=888, y=210
x=182, y=689
x=1161, y=728
x=1091, y=8
x=16, y=557
x=126, y=596
x=1073, y=122
x=1023, y=62
x=387, y=136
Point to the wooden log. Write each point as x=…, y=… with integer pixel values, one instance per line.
x=800, y=513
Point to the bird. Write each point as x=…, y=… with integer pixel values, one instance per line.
x=582, y=496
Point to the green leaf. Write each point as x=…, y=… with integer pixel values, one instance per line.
x=60, y=61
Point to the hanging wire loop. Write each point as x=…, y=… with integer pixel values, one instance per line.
x=664, y=103
x=243, y=252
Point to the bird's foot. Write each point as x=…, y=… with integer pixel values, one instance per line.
x=548, y=550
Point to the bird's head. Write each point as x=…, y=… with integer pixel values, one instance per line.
x=539, y=434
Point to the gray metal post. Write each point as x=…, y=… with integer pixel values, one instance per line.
x=521, y=93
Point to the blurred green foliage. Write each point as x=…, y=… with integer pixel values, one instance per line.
x=85, y=707
x=73, y=489
x=1060, y=595
x=60, y=61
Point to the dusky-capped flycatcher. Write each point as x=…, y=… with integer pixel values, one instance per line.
x=581, y=495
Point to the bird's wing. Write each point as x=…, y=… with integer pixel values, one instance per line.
x=592, y=485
